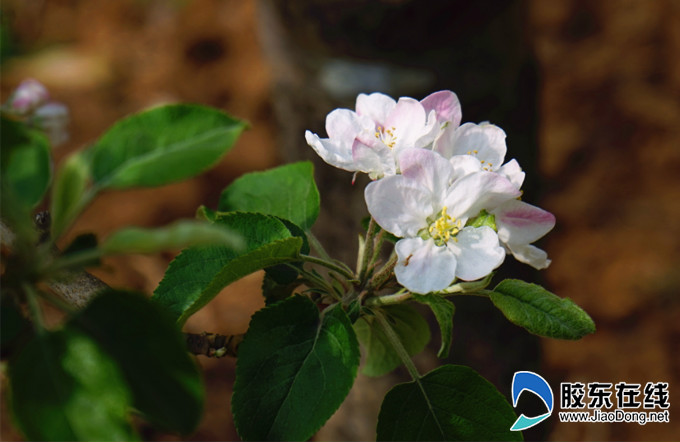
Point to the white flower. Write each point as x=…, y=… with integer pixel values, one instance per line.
x=371, y=139
x=474, y=147
x=428, y=206
x=479, y=147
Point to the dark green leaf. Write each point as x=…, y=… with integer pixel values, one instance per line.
x=64, y=387
x=274, y=292
x=152, y=354
x=294, y=370
x=172, y=237
x=287, y=273
x=443, y=310
x=162, y=145
x=380, y=357
x=68, y=192
x=198, y=274
x=541, y=312
x=25, y=162
x=288, y=192
x=452, y=402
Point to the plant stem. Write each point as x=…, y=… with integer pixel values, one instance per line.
x=317, y=246
x=368, y=249
x=384, y=273
x=74, y=261
x=397, y=345
x=395, y=298
x=379, y=240
x=329, y=265
x=34, y=308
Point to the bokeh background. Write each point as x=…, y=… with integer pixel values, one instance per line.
x=588, y=92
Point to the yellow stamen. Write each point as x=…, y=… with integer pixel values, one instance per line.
x=445, y=228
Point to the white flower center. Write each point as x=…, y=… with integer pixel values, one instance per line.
x=445, y=228
x=386, y=136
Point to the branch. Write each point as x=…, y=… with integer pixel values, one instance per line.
x=212, y=344
x=79, y=288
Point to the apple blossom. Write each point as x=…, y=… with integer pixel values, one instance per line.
x=428, y=207
x=474, y=147
x=370, y=139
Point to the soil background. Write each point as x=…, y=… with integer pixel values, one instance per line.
x=605, y=120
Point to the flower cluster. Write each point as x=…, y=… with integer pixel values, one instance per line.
x=31, y=102
x=440, y=186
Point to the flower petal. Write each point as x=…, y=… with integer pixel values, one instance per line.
x=522, y=223
x=485, y=141
x=399, y=205
x=377, y=160
x=376, y=106
x=446, y=106
x=431, y=170
x=480, y=190
x=408, y=121
x=513, y=172
x=477, y=251
x=342, y=126
x=531, y=255
x=464, y=165
x=424, y=267
x=334, y=153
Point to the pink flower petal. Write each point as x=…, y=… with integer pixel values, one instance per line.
x=522, y=223
x=446, y=106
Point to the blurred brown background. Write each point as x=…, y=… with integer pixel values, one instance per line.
x=588, y=92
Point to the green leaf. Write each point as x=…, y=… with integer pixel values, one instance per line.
x=274, y=292
x=172, y=237
x=288, y=192
x=68, y=192
x=443, y=310
x=152, y=354
x=162, y=145
x=25, y=162
x=293, y=371
x=64, y=387
x=452, y=402
x=380, y=357
x=204, y=213
x=287, y=273
x=198, y=274
x=541, y=312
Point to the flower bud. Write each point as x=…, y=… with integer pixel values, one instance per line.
x=52, y=118
x=28, y=96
